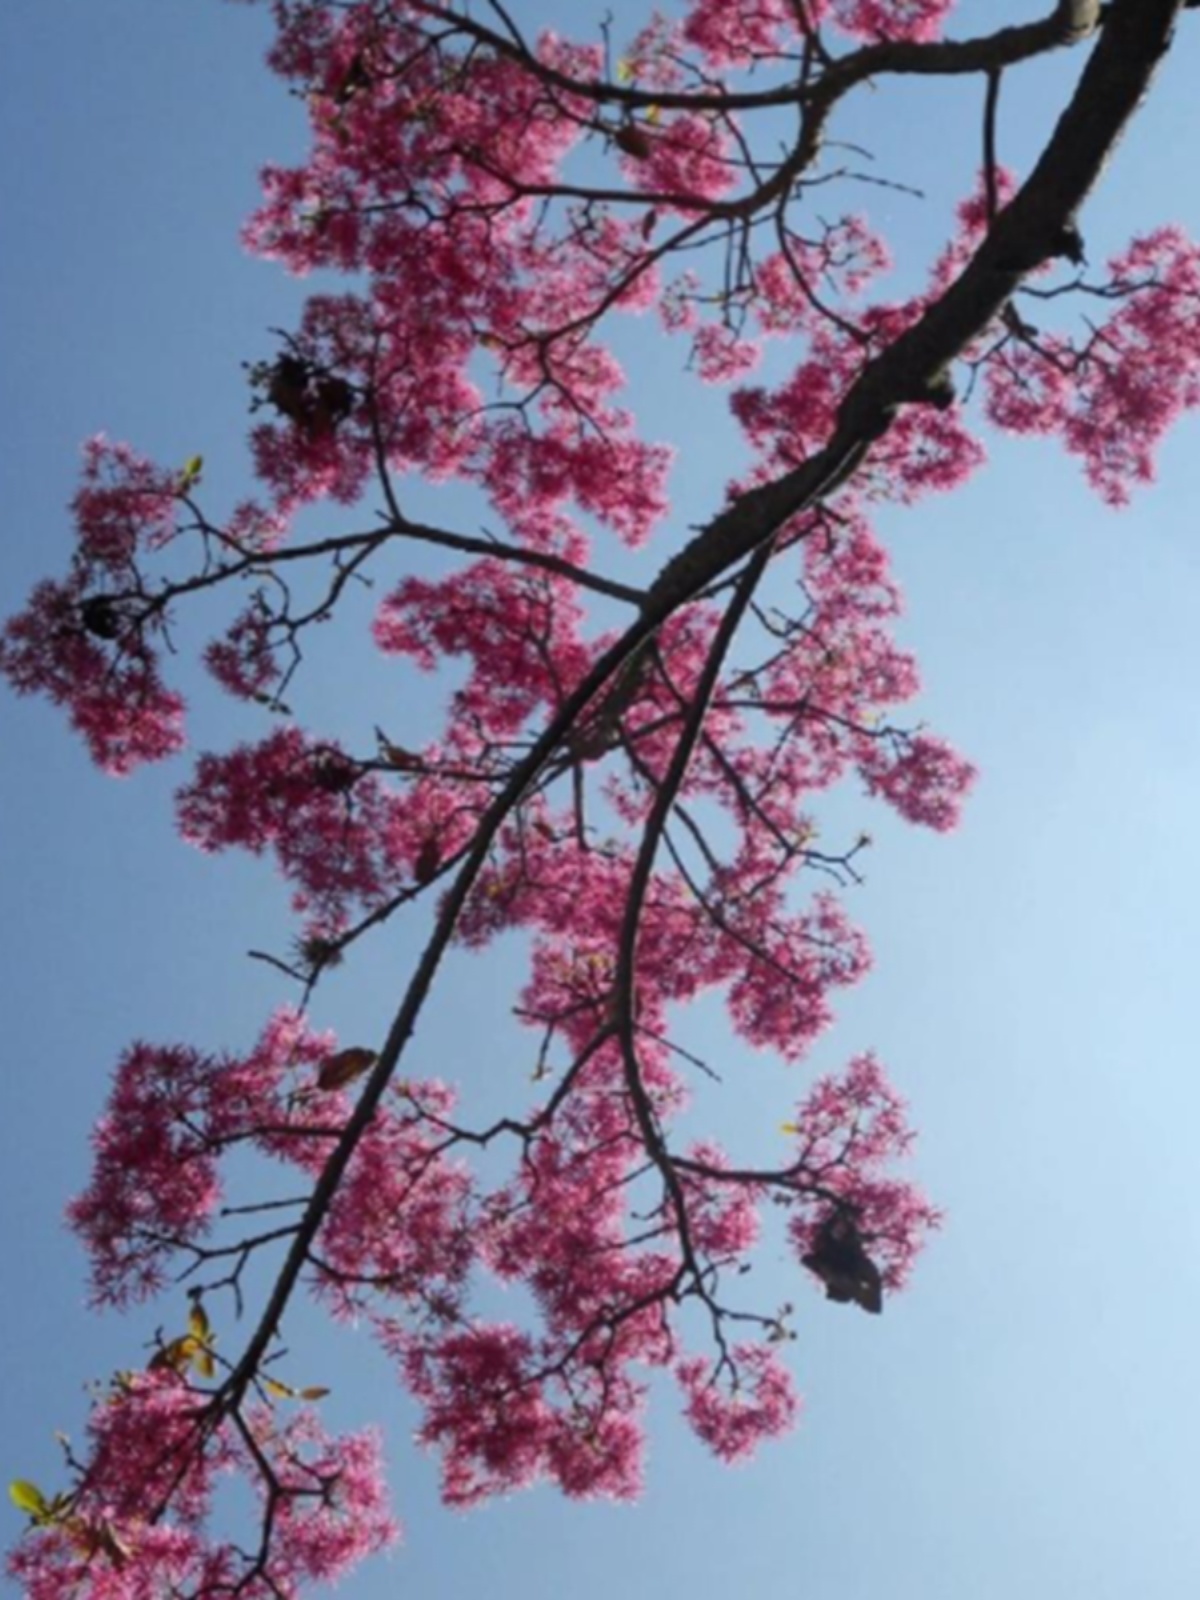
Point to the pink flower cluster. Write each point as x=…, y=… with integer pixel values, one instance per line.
x=733, y=1409
x=89, y=643
x=762, y=30
x=134, y=1525
x=1111, y=396
x=851, y=1130
x=172, y=1115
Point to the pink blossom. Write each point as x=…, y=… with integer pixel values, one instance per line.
x=244, y=661
x=154, y=1442
x=1112, y=396
x=154, y=1176
x=920, y=776
x=331, y=1508
x=172, y=1111
x=333, y=827
x=733, y=1410
x=125, y=504
x=781, y=994
x=733, y=38
x=484, y=1409
x=402, y=1215
x=96, y=658
x=687, y=157
x=851, y=1130
x=720, y=355
x=488, y=1407
x=886, y=19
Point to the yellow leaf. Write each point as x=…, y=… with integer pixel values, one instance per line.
x=192, y=468
x=284, y=1391
x=788, y=1127
x=626, y=72
x=653, y=115
x=27, y=1496
x=176, y=1355
x=202, y=1361
x=198, y=1323
x=338, y=1070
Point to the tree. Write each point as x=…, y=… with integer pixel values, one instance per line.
x=637, y=800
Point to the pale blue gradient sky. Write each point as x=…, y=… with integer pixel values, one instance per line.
x=1026, y=1418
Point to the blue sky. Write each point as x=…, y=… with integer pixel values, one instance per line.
x=1026, y=1415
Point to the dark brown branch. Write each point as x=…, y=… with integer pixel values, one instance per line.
x=1135, y=36
x=914, y=367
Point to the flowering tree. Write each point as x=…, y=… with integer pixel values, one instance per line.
x=634, y=795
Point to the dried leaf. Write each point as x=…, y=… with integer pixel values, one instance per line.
x=395, y=754
x=338, y=1070
x=630, y=138
x=108, y=1540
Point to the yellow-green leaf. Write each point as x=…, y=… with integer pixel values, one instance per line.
x=788, y=1127
x=626, y=71
x=192, y=468
x=281, y=1391
x=27, y=1496
x=198, y=1323
x=202, y=1361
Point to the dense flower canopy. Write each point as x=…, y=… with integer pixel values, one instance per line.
x=625, y=776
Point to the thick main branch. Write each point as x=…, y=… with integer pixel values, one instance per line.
x=913, y=369
x=1026, y=233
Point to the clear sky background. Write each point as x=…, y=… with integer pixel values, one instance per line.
x=1026, y=1418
